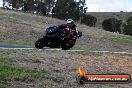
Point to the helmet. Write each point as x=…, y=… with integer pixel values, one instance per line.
x=70, y=22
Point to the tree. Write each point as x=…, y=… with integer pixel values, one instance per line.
x=6, y=4
x=66, y=9
x=82, y=9
x=3, y=3
x=43, y=6
x=89, y=20
x=129, y=19
x=112, y=25
x=12, y=4
x=49, y=5
x=128, y=27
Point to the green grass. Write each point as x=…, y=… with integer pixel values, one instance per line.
x=16, y=44
x=122, y=39
x=11, y=73
x=8, y=72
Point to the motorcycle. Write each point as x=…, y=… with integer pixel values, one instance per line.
x=56, y=38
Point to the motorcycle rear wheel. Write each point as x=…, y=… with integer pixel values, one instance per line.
x=40, y=43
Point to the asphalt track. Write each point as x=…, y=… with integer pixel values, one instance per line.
x=57, y=49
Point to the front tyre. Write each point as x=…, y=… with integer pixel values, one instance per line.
x=40, y=43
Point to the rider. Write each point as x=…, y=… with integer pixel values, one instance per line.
x=70, y=27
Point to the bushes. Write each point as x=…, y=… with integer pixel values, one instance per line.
x=128, y=27
x=112, y=25
x=129, y=19
x=89, y=20
x=66, y=9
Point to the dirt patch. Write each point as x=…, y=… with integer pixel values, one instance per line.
x=3, y=29
x=104, y=63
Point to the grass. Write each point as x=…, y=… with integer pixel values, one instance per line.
x=16, y=44
x=8, y=72
x=105, y=15
x=19, y=21
x=90, y=33
x=122, y=39
x=57, y=79
x=7, y=18
x=11, y=73
x=78, y=47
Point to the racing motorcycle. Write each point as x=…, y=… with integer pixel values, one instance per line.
x=56, y=38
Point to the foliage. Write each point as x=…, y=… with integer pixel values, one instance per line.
x=129, y=19
x=89, y=20
x=112, y=25
x=66, y=9
x=128, y=27
x=69, y=9
x=62, y=9
x=39, y=6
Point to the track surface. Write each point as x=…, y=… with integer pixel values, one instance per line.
x=57, y=49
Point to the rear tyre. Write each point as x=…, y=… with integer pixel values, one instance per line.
x=40, y=43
